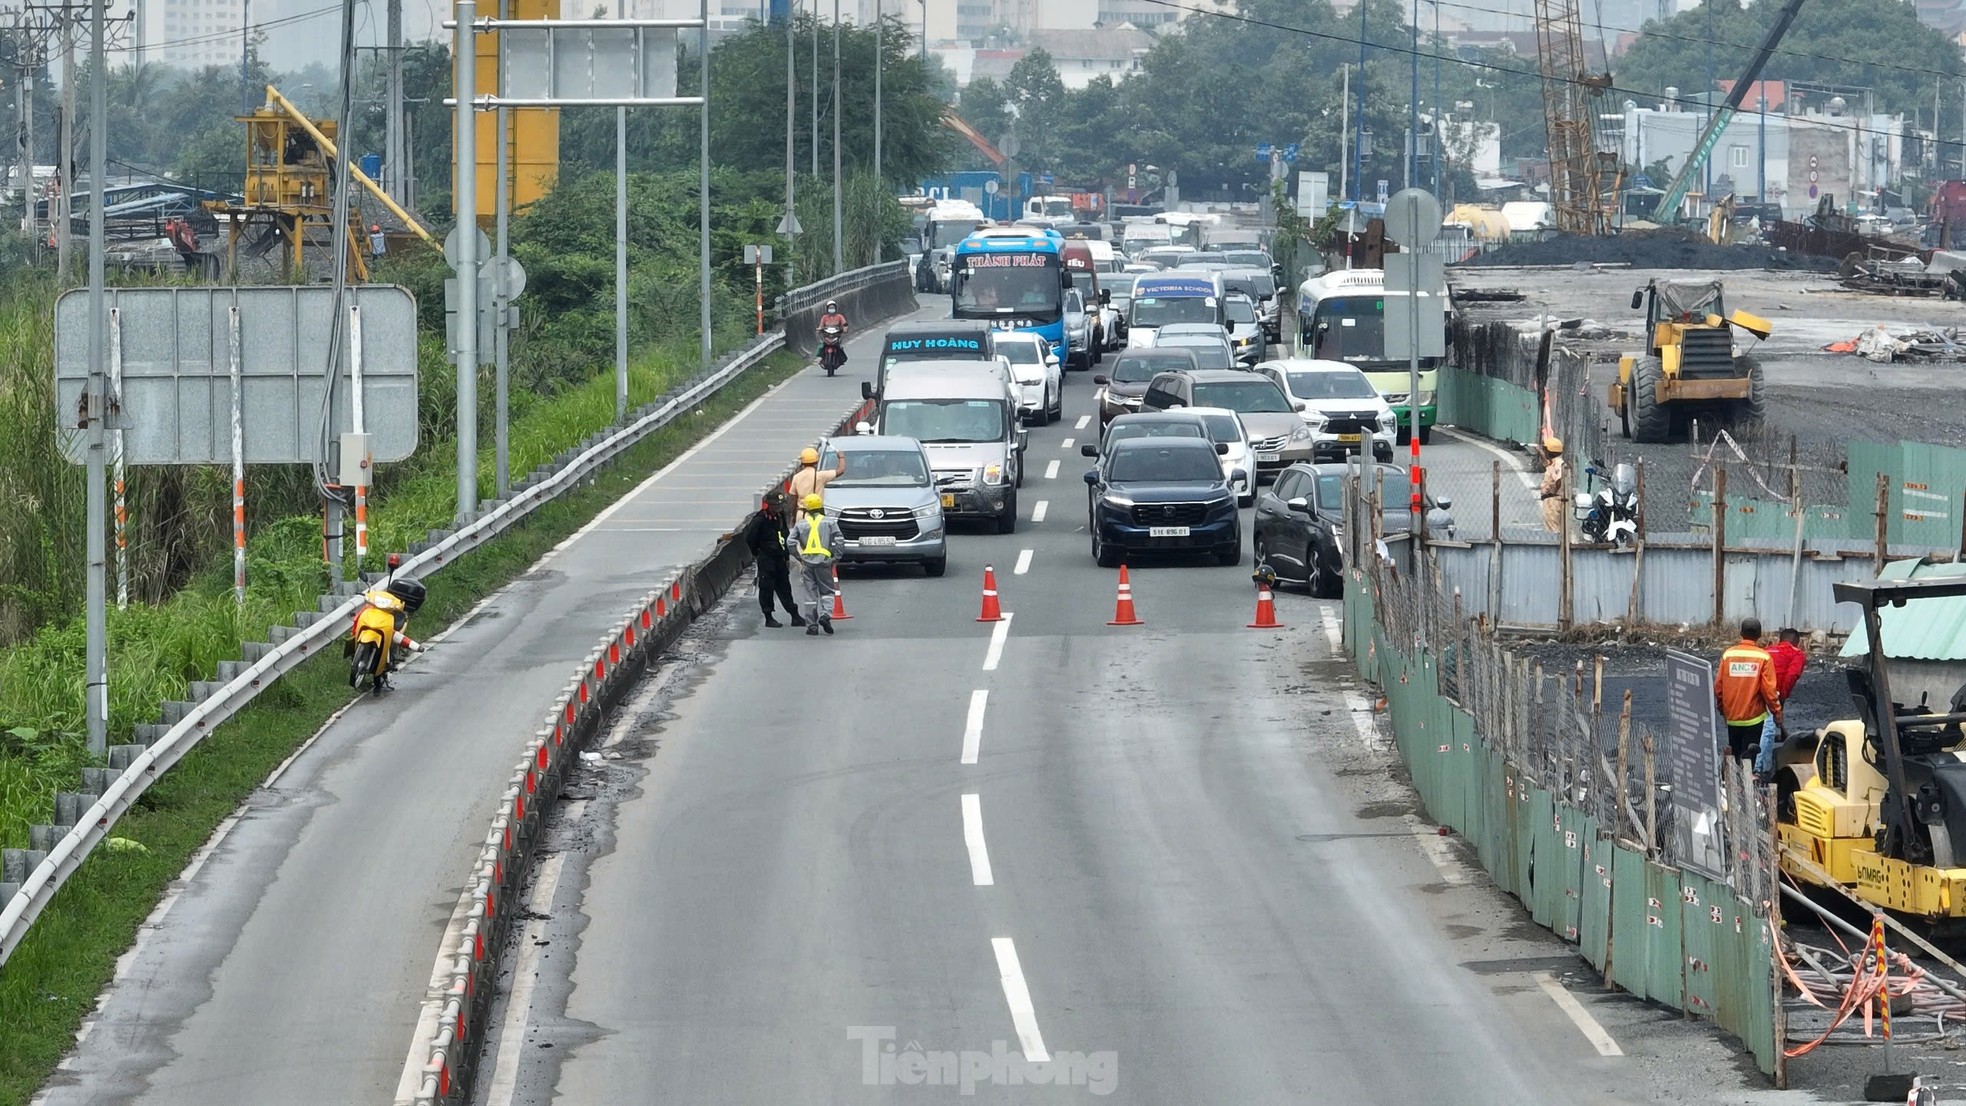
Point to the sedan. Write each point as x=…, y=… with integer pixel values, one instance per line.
x=1081, y=341
x=1246, y=332
x=1209, y=343
x=1300, y=521
x=1153, y=495
x=1034, y=368
x=1147, y=424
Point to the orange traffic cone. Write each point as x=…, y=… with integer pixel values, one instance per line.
x=1266, y=610
x=839, y=598
x=992, y=612
x=1123, y=611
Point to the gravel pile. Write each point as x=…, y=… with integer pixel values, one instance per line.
x=1671, y=248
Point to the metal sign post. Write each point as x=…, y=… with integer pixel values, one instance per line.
x=758, y=257
x=464, y=56
x=1413, y=219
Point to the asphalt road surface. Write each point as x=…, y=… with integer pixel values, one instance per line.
x=1044, y=859
x=291, y=965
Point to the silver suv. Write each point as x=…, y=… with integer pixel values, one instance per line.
x=886, y=503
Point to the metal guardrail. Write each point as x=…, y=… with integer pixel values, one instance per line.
x=29, y=878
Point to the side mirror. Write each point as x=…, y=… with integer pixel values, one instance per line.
x=866, y=389
x=863, y=428
x=1238, y=476
x=1299, y=504
x=1023, y=439
x=1101, y=380
x=1300, y=406
x=1105, y=295
x=1051, y=359
x=1443, y=503
x=1088, y=450
x=1638, y=299
x=1221, y=449
x=1229, y=325
x=1092, y=475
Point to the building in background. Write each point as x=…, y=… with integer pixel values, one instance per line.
x=192, y=34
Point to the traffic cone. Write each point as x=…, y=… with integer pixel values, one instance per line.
x=839, y=598
x=1123, y=611
x=992, y=612
x=1266, y=610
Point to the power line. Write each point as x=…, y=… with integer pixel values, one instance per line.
x=228, y=36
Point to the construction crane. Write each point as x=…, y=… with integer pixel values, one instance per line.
x=1668, y=208
x=983, y=146
x=1569, y=118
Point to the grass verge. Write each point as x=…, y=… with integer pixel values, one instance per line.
x=68, y=957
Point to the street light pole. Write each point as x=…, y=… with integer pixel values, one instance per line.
x=464, y=58
x=839, y=265
x=620, y=251
x=880, y=63
x=815, y=88
x=501, y=336
x=703, y=186
x=96, y=628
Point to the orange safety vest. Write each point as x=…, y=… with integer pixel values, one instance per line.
x=1744, y=681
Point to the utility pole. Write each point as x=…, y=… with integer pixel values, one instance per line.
x=393, y=147
x=620, y=251
x=839, y=262
x=1358, y=141
x=703, y=189
x=1413, y=103
x=96, y=621
x=880, y=63
x=1345, y=133
x=501, y=298
x=464, y=60
x=65, y=156
x=815, y=88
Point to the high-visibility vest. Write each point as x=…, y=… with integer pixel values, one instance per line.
x=815, y=545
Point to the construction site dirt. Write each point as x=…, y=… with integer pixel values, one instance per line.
x=1816, y=400
x=1654, y=249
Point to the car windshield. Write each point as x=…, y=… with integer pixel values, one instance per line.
x=1255, y=258
x=1020, y=353
x=1245, y=397
x=1210, y=353
x=1240, y=310
x=1151, y=428
x=883, y=468
x=1139, y=370
x=1120, y=284
x=1255, y=287
x=1222, y=428
x=1150, y=465
x=1074, y=302
x=1156, y=311
x=1331, y=385
x=944, y=420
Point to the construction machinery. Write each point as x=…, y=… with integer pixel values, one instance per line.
x=1877, y=803
x=1570, y=114
x=1692, y=364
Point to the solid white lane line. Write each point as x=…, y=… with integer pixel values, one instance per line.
x=1037, y=512
x=1334, y=631
x=1051, y=470
x=1067, y=443
x=1439, y=853
x=512, y=1031
x=979, y=854
x=1083, y=420
x=998, y=634
x=1587, y=1025
x=1510, y=462
x=1023, y=1016
x=1361, y=712
x=973, y=728
x=1023, y=562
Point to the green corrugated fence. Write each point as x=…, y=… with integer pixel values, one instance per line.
x=1673, y=937
x=1488, y=406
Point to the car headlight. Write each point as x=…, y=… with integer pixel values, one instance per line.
x=1130, y=401
x=1111, y=500
x=932, y=510
x=1387, y=420
x=1303, y=433
x=993, y=474
x=1426, y=399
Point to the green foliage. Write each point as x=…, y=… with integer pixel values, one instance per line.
x=1890, y=51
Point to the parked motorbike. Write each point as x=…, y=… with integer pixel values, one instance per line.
x=378, y=633
x=831, y=355
x=1609, y=516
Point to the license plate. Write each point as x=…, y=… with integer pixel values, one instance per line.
x=1167, y=531
x=948, y=499
x=878, y=539
x=1349, y=439
x=1269, y=458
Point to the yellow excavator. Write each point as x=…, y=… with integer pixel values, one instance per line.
x=1690, y=366
x=1877, y=803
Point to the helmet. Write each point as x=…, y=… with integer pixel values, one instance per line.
x=832, y=305
x=1553, y=445
x=808, y=456
x=812, y=501
x=774, y=498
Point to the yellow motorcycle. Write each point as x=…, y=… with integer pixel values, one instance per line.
x=378, y=633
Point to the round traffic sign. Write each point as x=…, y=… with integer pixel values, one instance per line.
x=991, y=187
x=1412, y=216
x=451, y=243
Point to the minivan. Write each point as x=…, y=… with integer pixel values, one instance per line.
x=970, y=428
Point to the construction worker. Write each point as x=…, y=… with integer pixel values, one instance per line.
x=816, y=541
x=1554, y=508
x=1788, y=658
x=1745, y=690
x=378, y=244
x=810, y=479
x=766, y=537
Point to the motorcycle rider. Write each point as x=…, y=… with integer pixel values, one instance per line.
x=766, y=537
x=832, y=317
x=811, y=479
x=815, y=541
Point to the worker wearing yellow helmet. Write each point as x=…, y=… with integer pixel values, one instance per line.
x=1552, y=487
x=816, y=543
x=811, y=479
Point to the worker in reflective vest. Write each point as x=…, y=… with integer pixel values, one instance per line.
x=1745, y=690
x=816, y=542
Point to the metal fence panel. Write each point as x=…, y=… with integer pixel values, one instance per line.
x=1575, y=832
x=1925, y=498
x=1664, y=980
x=1545, y=874
x=1594, y=915
x=1701, y=911
x=1528, y=595
x=1522, y=835
x=1631, y=923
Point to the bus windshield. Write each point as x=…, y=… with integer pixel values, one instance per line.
x=946, y=234
x=1353, y=329
x=1024, y=284
x=1158, y=311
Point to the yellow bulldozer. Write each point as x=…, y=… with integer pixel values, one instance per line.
x=1692, y=366
x=1877, y=803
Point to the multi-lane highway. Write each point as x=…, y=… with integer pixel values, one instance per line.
x=293, y=962
x=1169, y=863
